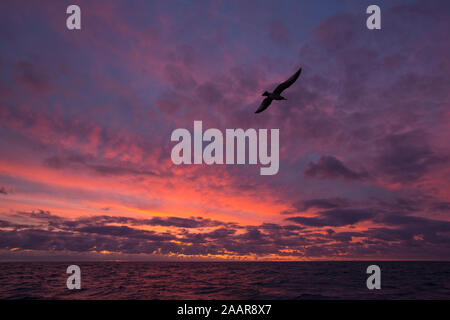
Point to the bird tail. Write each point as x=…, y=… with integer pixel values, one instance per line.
x=265, y=93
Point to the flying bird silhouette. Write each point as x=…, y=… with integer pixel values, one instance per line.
x=276, y=94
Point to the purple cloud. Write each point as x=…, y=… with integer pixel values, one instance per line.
x=328, y=167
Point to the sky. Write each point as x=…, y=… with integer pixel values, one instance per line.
x=86, y=118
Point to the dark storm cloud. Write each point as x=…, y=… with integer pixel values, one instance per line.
x=328, y=167
x=127, y=232
x=417, y=223
x=85, y=224
x=220, y=233
x=407, y=156
x=32, y=239
x=40, y=215
x=276, y=228
x=123, y=234
x=3, y=191
x=329, y=203
x=198, y=222
x=126, y=239
x=346, y=236
x=411, y=230
x=441, y=206
x=403, y=204
x=194, y=222
x=335, y=218
x=73, y=161
x=98, y=233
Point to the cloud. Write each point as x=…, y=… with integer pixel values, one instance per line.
x=183, y=222
x=365, y=101
x=328, y=203
x=178, y=78
x=29, y=76
x=312, y=238
x=337, y=32
x=3, y=191
x=126, y=232
x=74, y=161
x=407, y=156
x=104, y=233
x=441, y=206
x=411, y=231
x=328, y=167
x=279, y=33
x=335, y=218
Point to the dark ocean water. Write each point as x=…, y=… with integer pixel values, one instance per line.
x=225, y=280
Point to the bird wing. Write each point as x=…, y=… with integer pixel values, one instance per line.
x=278, y=90
x=264, y=105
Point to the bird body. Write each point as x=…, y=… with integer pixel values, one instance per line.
x=273, y=96
x=276, y=94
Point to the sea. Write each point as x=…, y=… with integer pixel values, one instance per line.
x=410, y=280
